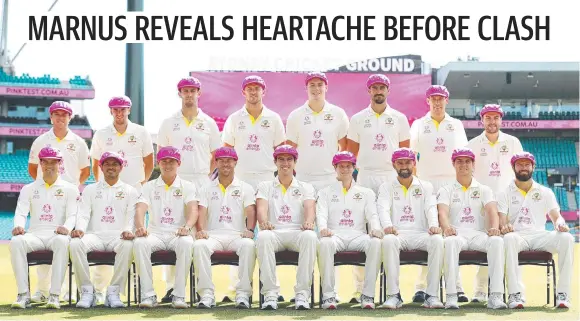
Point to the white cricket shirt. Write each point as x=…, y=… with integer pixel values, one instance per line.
x=466, y=205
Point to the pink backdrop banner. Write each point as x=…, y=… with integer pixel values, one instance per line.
x=37, y=131
x=528, y=124
x=285, y=91
x=46, y=92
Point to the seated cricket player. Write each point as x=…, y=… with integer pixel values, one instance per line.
x=285, y=208
x=462, y=208
x=343, y=211
x=523, y=206
x=52, y=203
x=227, y=218
x=408, y=213
x=105, y=223
x=172, y=204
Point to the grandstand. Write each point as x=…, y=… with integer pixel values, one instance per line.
x=24, y=102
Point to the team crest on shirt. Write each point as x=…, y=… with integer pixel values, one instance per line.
x=199, y=126
x=328, y=118
x=265, y=124
x=167, y=219
x=307, y=120
x=379, y=145
x=475, y=194
x=417, y=192
x=167, y=211
x=504, y=150
x=379, y=137
x=441, y=148
x=494, y=169
x=536, y=197
x=59, y=193
x=46, y=208
x=187, y=147
x=296, y=193
x=253, y=138
x=524, y=217
x=109, y=141
x=357, y=197
x=483, y=152
x=389, y=121
x=407, y=209
x=132, y=140
x=120, y=195
x=285, y=218
x=176, y=127
x=427, y=129
x=236, y=193
x=177, y=193
x=241, y=125
x=71, y=147
x=368, y=123
x=449, y=127
x=108, y=210
x=346, y=220
x=346, y=213
x=108, y=218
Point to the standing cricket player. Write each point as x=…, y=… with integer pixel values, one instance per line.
x=408, y=213
x=254, y=131
x=317, y=130
x=463, y=206
x=492, y=169
x=227, y=218
x=433, y=138
x=133, y=143
x=343, y=211
x=197, y=136
x=74, y=168
x=52, y=203
x=172, y=204
x=375, y=132
x=285, y=208
x=523, y=206
x=105, y=222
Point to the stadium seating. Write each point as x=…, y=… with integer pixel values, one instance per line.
x=551, y=153
x=577, y=194
x=45, y=81
x=561, y=197
x=75, y=121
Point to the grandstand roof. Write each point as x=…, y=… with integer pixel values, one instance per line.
x=511, y=80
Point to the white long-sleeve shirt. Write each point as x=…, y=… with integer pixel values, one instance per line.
x=107, y=210
x=413, y=208
x=49, y=206
x=346, y=211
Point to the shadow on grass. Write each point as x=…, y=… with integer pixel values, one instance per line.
x=286, y=310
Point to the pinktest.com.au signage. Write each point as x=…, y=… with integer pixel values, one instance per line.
x=37, y=131
x=47, y=92
x=528, y=124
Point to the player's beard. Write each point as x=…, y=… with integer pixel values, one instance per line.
x=404, y=173
x=523, y=177
x=378, y=99
x=491, y=129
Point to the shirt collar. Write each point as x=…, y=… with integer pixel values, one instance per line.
x=105, y=185
x=200, y=114
x=176, y=183
x=66, y=137
x=501, y=138
x=235, y=183
x=514, y=187
x=414, y=182
x=294, y=182
x=427, y=118
x=309, y=110
x=265, y=111
x=371, y=112
x=474, y=184
x=59, y=182
x=130, y=126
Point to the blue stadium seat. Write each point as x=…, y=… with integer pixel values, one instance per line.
x=551, y=152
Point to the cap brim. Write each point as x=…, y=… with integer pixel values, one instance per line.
x=118, y=107
x=63, y=109
x=438, y=94
x=377, y=82
x=169, y=157
x=50, y=157
x=115, y=158
x=232, y=157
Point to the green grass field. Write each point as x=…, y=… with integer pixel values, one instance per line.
x=535, y=280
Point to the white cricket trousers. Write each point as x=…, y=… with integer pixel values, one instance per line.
x=407, y=241
x=561, y=243
x=21, y=245
x=271, y=241
x=168, y=271
x=473, y=240
x=374, y=179
x=80, y=247
x=143, y=247
x=203, y=249
x=349, y=241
